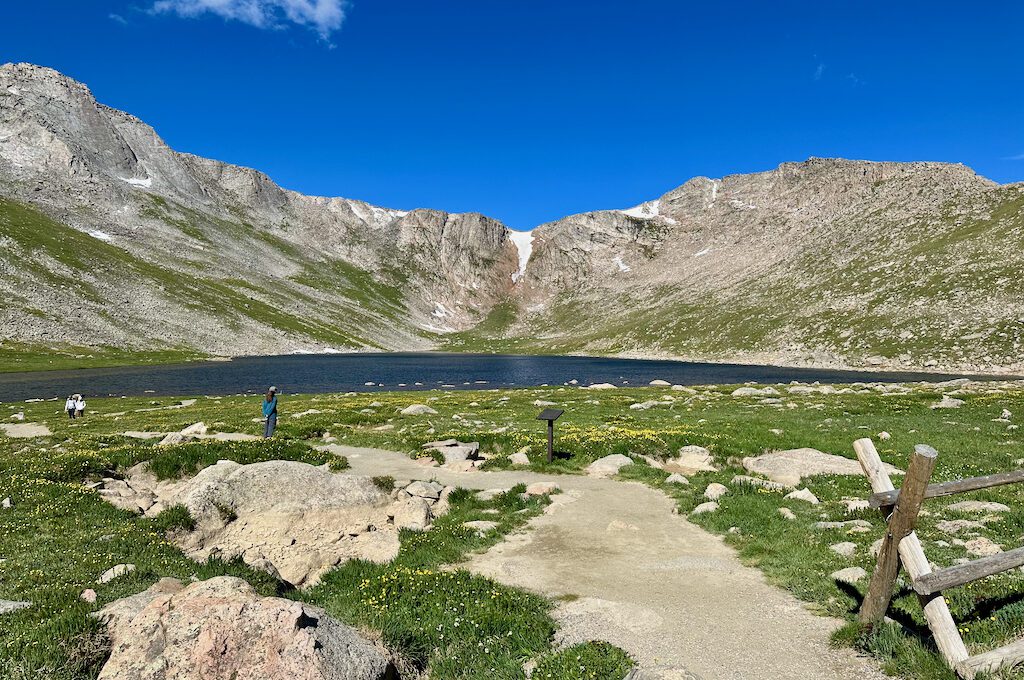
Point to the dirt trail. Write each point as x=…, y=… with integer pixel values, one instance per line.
x=672, y=595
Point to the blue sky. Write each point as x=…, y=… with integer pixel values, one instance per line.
x=531, y=110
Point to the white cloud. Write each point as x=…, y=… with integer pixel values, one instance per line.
x=118, y=18
x=1018, y=157
x=324, y=16
x=820, y=71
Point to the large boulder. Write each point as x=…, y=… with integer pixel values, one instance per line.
x=221, y=628
x=285, y=517
x=789, y=467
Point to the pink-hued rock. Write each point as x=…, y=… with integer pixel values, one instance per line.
x=221, y=628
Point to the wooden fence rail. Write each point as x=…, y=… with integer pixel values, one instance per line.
x=901, y=544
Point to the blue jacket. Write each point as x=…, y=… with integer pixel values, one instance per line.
x=269, y=407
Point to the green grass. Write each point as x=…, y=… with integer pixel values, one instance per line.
x=60, y=257
x=793, y=555
x=18, y=356
x=59, y=536
x=586, y=661
x=457, y=624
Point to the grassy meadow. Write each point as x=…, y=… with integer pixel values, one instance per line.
x=59, y=536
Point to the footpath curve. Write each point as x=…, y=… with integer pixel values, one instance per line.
x=629, y=571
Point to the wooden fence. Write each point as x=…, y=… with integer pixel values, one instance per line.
x=901, y=507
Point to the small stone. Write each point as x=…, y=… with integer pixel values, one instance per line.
x=430, y=490
x=116, y=572
x=758, y=482
x=194, y=430
x=413, y=513
x=676, y=478
x=659, y=383
x=876, y=547
x=440, y=444
x=88, y=595
x=609, y=465
x=8, y=606
x=846, y=548
x=710, y=506
x=862, y=523
x=787, y=513
x=691, y=459
x=542, y=488
x=489, y=494
x=734, y=530
x=481, y=526
x=955, y=526
x=803, y=495
x=982, y=547
x=175, y=438
x=519, y=459
x=715, y=491
x=884, y=436
x=6, y=503
x=850, y=575
x=978, y=506
x=855, y=504
x=754, y=392
x=948, y=402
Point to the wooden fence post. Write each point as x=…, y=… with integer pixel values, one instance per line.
x=901, y=523
x=936, y=612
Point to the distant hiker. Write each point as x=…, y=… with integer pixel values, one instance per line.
x=270, y=413
x=69, y=406
x=79, y=406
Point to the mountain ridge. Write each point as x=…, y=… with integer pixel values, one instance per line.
x=222, y=260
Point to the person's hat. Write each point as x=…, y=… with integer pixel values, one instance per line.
x=273, y=389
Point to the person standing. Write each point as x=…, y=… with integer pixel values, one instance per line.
x=270, y=413
x=69, y=406
x=79, y=406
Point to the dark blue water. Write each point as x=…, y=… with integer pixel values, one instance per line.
x=402, y=371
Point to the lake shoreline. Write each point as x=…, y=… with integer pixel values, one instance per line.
x=416, y=371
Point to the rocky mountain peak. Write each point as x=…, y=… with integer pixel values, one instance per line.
x=827, y=261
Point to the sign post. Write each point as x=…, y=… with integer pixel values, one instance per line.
x=551, y=415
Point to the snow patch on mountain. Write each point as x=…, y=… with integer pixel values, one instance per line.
x=647, y=211
x=523, y=241
x=136, y=182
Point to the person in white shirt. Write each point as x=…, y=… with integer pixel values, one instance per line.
x=70, y=407
x=79, y=407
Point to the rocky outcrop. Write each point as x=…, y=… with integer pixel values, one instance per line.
x=291, y=519
x=221, y=628
x=789, y=467
x=151, y=222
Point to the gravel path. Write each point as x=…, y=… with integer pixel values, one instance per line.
x=633, y=573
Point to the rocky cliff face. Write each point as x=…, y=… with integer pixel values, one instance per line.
x=826, y=262
x=111, y=238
